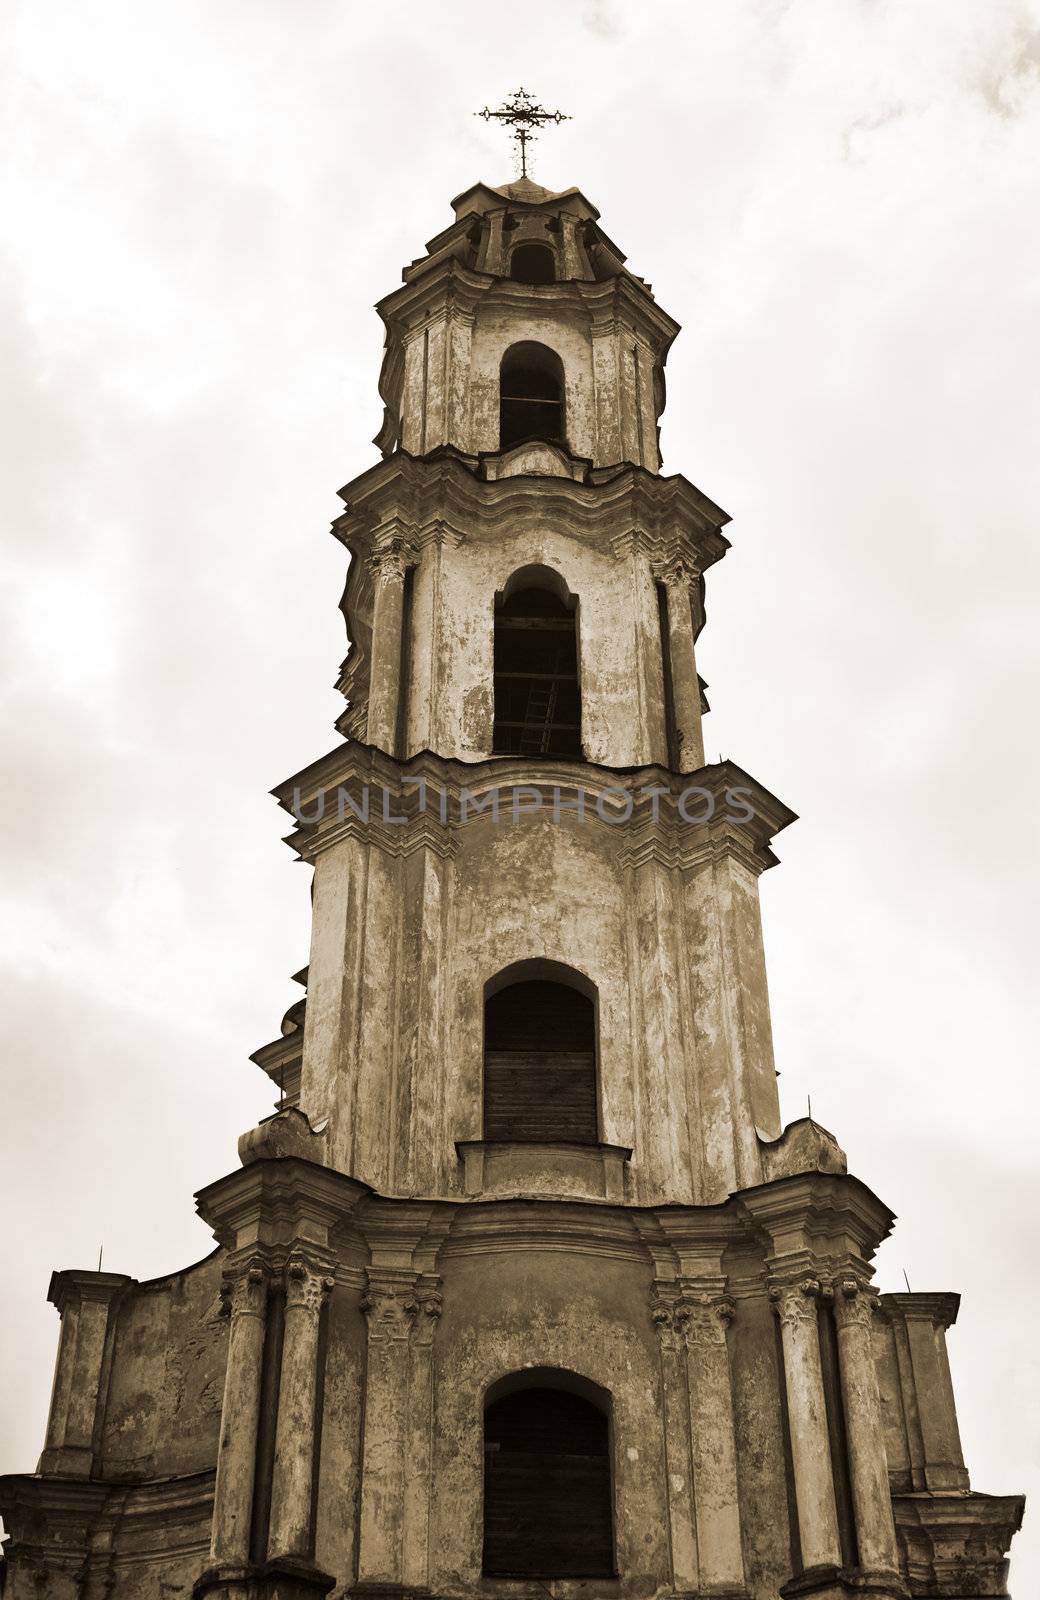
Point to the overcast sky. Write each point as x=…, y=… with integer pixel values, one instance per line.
x=839, y=202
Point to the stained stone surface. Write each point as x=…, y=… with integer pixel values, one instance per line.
x=302, y=1412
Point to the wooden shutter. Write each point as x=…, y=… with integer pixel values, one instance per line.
x=540, y=1065
x=547, y=1499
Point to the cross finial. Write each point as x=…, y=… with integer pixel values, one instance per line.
x=523, y=113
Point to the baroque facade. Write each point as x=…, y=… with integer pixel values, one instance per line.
x=524, y=1286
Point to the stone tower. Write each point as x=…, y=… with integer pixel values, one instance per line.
x=524, y=1287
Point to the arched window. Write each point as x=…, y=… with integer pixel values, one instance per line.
x=533, y=263
x=537, y=696
x=531, y=395
x=547, y=1492
x=539, y=1062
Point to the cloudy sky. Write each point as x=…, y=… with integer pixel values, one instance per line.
x=839, y=202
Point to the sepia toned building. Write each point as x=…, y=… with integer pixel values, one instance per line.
x=524, y=1287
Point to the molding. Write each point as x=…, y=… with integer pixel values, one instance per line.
x=616, y=505
x=938, y=1307
x=73, y=1286
x=358, y=791
x=956, y=1544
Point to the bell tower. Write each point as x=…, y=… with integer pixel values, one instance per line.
x=524, y=1287
x=524, y=596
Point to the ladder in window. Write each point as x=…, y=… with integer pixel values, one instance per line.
x=538, y=720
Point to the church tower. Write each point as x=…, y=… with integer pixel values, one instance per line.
x=524, y=1288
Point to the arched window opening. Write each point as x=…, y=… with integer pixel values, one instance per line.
x=531, y=395
x=533, y=263
x=537, y=695
x=540, y=1064
x=547, y=1492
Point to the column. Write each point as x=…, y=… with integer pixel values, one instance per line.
x=244, y=1294
x=678, y=578
x=871, y=1498
x=306, y=1285
x=389, y=562
x=795, y=1305
x=721, y=1559
x=678, y=1458
x=391, y=1308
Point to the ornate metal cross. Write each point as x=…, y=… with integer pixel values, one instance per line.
x=523, y=113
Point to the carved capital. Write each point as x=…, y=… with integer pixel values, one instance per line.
x=854, y=1306
x=391, y=1310
x=427, y=1316
x=684, y=1316
x=306, y=1284
x=664, y=1307
x=703, y=1318
x=391, y=558
x=795, y=1303
x=676, y=571
x=243, y=1289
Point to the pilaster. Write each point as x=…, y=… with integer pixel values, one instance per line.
x=705, y=1315
x=86, y=1302
x=390, y=560
x=391, y=1309
x=692, y=1313
x=918, y=1325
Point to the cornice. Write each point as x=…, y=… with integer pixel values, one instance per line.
x=74, y=1286
x=571, y=1227
x=817, y=1224
x=153, y=1504
x=939, y=1307
x=682, y=821
x=606, y=303
x=275, y=1202
x=441, y=495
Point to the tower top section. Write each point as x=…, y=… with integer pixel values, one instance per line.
x=522, y=323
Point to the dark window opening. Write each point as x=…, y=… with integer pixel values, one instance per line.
x=540, y=1065
x=547, y=1498
x=533, y=263
x=531, y=395
x=537, y=695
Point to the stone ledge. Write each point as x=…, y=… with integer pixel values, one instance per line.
x=562, y=1170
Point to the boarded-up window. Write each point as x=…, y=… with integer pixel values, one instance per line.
x=547, y=1500
x=537, y=700
x=540, y=1065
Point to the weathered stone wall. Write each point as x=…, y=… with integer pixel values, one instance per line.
x=405, y=938
x=619, y=641
x=161, y=1413
x=669, y=1312
x=505, y=1312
